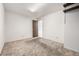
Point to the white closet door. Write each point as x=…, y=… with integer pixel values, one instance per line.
x=72, y=30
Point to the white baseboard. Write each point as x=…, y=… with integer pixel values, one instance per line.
x=56, y=40
x=19, y=38
x=71, y=49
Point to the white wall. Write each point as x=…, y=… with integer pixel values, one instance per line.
x=53, y=26
x=72, y=30
x=40, y=28
x=17, y=27
x=1, y=26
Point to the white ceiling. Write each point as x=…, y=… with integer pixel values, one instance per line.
x=33, y=10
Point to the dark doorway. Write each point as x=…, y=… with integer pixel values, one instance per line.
x=35, y=28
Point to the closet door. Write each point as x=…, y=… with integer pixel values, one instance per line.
x=71, y=35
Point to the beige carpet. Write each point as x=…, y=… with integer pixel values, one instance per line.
x=36, y=47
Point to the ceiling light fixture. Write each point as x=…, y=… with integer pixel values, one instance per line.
x=36, y=7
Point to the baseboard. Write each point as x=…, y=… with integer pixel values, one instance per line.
x=22, y=38
x=59, y=41
x=19, y=38
x=35, y=37
x=71, y=49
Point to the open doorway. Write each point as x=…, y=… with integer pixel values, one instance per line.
x=35, y=28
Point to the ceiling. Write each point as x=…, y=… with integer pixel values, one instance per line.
x=33, y=10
